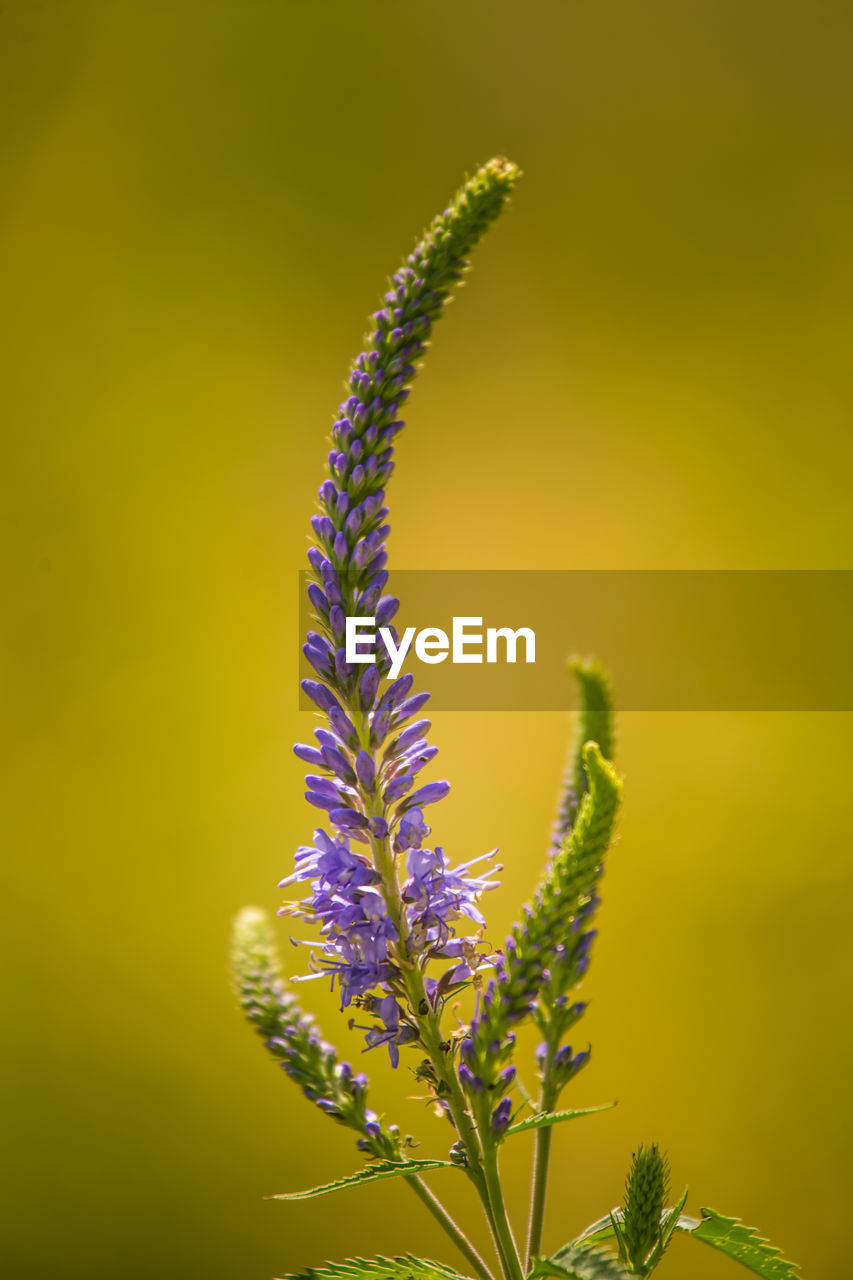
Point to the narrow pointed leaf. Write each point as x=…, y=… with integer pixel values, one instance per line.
x=371, y=1173
x=407, y=1268
x=741, y=1243
x=579, y=1264
x=545, y=1119
x=670, y=1219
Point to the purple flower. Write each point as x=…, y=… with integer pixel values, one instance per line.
x=368, y=792
x=436, y=896
x=366, y=771
x=429, y=794
x=388, y=1012
x=411, y=831
x=469, y=1082
x=292, y=1037
x=501, y=1116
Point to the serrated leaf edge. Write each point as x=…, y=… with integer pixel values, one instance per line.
x=693, y=1226
x=595, y=1265
x=544, y=1119
x=404, y=1266
x=371, y=1173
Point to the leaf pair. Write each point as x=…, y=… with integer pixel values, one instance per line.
x=577, y=1261
x=407, y=1268
x=583, y=1264
x=379, y=1169
x=730, y=1236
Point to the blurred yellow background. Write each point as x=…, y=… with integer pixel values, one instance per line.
x=649, y=368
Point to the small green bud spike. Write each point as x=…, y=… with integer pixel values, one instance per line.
x=596, y=723
x=596, y=714
x=646, y=1191
x=255, y=969
x=293, y=1038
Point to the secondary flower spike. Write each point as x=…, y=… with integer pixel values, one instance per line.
x=292, y=1037
x=382, y=900
x=548, y=952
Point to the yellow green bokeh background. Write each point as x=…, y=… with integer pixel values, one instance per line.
x=649, y=368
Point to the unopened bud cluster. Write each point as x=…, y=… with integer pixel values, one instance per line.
x=292, y=1037
x=548, y=953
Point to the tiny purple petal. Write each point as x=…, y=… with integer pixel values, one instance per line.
x=430, y=794
x=397, y=788
x=366, y=770
x=323, y=697
x=368, y=685
x=347, y=818
x=501, y=1116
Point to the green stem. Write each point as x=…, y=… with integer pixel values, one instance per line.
x=430, y=1037
x=438, y=1211
x=541, y=1158
x=503, y=1231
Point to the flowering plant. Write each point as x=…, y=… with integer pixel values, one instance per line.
x=399, y=927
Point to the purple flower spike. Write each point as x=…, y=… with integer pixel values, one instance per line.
x=358, y=768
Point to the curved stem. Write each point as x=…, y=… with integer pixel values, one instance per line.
x=430, y=1036
x=438, y=1211
x=503, y=1230
x=541, y=1158
x=427, y=1019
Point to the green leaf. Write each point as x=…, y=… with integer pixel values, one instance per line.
x=579, y=1264
x=371, y=1173
x=407, y=1268
x=741, y=1243
x=545, y=1119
